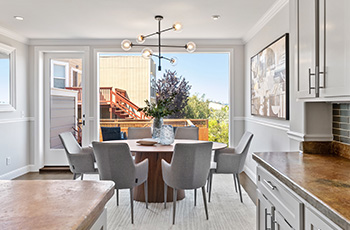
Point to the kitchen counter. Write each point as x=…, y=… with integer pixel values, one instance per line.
x=323, y=180
x=52, y=204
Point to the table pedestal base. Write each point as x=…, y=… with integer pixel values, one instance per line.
x=155, y=179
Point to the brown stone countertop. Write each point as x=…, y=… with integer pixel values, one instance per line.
x=322, y=180
x=52, y=204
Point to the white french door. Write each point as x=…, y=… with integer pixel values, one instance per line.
x=64, y=103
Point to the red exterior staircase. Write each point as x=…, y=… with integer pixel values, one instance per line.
x=118, y=102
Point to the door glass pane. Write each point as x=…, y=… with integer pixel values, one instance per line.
x=65, y=102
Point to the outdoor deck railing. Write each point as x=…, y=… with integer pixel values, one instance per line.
x=124, y=124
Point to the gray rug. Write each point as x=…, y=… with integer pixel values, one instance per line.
x=225, y=210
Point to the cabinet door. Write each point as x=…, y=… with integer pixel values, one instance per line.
x=306, y=48
x=313, y=222
x=265, y=212
x=337, y=48
x=281, y=223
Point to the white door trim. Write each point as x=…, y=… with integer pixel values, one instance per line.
x=39, y=119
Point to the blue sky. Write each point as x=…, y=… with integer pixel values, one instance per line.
x=208, y=73
x=4, y=81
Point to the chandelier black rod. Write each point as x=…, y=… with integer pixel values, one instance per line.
x=169, y=59
x=169, y=46
x=165, y=30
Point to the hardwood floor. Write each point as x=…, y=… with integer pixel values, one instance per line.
x=249, y=186
x=46, y=176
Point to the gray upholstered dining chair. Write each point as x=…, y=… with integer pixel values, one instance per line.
x=115, y=163
x=81, y=160
x=139, y=133
x=231, y=161
x=188, y=169
x=188, y=133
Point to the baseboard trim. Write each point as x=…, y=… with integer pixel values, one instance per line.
x=16, y=173
x=250, y=173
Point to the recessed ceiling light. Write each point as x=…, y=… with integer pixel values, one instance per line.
x=215, y=17
x=20, y=18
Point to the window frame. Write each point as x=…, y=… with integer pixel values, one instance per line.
x=61, y=63
x=11, y=51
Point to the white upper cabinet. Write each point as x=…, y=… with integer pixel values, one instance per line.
x=337, y=46
x=306, y=32
x=324, y=49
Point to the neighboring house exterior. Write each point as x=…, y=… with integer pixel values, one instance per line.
x=133, y=74
x=66, y=73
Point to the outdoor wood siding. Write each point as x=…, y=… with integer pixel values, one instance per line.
x=130, y=73
x=63, y=118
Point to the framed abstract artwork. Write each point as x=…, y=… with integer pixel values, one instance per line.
x=269, y=71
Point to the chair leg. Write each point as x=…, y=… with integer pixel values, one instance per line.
x=208, y=181
x=117, y=196
x=165, y=194
x=82, y=176
x=74, y=176
x=239, y=188
x=146, y=193
x=205, y=202
x=132, y=205
x=234, y=178
x=195, y=197
x=210, y=184
x=174, y=204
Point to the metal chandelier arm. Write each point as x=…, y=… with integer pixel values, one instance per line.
x=150, y=35
x=170, y=46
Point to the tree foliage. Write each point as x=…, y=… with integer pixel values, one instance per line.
x=197, y=108
x=219, y=125
x=171, y=85
x=160, y=108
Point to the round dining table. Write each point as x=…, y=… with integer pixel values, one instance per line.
x=155, y=154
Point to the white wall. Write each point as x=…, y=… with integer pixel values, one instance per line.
x=16, y=127
x=269, y=134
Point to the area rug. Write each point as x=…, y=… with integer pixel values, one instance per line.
x=225, y=210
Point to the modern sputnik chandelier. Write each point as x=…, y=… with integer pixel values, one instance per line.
x=147, y=53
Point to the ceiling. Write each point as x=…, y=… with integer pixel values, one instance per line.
x=112, y=19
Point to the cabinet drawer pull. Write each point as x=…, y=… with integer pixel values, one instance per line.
x=269, y=183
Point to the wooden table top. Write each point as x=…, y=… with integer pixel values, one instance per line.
x=135, y=147
x=52, y=204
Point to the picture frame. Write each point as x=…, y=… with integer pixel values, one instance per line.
x=7, y=78
x=269, y=75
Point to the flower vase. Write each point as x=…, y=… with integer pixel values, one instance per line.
x=157, y=127
x=166, y=135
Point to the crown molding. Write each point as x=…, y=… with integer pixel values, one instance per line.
x=10, y=34
x=264, y=20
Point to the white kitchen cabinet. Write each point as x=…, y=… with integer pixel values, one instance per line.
x=281, y=199
x=337, y=46
x=332, y=32
x=316, y=222
x=265, y=210
x=281, y=223
x=279, y=208
x=306, y=48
